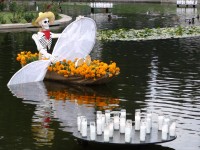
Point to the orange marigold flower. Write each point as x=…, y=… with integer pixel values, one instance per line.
x=96, y=69
x=57, y=63
x=110, y=75
x=50, y=68
x=64, y=60
x=18, y=58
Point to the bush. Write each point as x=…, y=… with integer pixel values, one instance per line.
x=2, y=20
x=29, y=17
x=54, y=7
x=17, y=17
x=13, y=6
x=18, y=12
x=2, y=5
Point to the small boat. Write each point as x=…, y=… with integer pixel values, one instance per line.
x=53, y=76
x=64, y=69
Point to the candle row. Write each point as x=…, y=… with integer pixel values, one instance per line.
x=105, y=124
x=145, y=125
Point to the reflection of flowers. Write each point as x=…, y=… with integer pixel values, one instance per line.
x=95, y=70
x=98, y=101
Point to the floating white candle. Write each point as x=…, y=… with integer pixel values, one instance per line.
x=127, y=135
x=172, y=129
x=164, y=131
x=84, y=127
x=116, y=121
x=137, y=119
x=149, y=115
x=148, y=125
x=129, y=122
x=137, y=112
x=123, y=113
x=128, y=131
x=107, y=115
x=81, y=117
x=111, y=128
x=103, y=119
x=99, y=126
x=122, y=124
x=143, y=131
x=160, y=121
x=167, y=121
x=98, y=114
x=79, y=123
x=106, y=133
x=92, y=131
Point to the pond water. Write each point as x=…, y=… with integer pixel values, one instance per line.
x=160, y=75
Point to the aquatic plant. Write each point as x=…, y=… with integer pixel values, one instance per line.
x=148, y=34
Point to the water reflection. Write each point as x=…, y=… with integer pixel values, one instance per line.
x=163, y=76
x=187, y=16
x=176, y=96
x=62, y=103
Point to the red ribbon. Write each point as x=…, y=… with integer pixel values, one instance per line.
x=47, y=34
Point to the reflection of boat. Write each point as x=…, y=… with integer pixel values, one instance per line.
x=63, y=102
x=38, y=92
x=33, y=93
x=90, y=96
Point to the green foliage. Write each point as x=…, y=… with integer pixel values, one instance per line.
x=2, y=5
x=31, y=59
x=53, y=7
x=17, y=16
x=13, y=6
x=2, y=20
x=29, y=16
x=179, y=31
x=18, y=12
x=25, y=6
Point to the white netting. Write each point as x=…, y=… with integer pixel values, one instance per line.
x=77, y=40
x=32, y=72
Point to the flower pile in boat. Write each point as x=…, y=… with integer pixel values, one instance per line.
x=96, y=69
x=66, y=68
